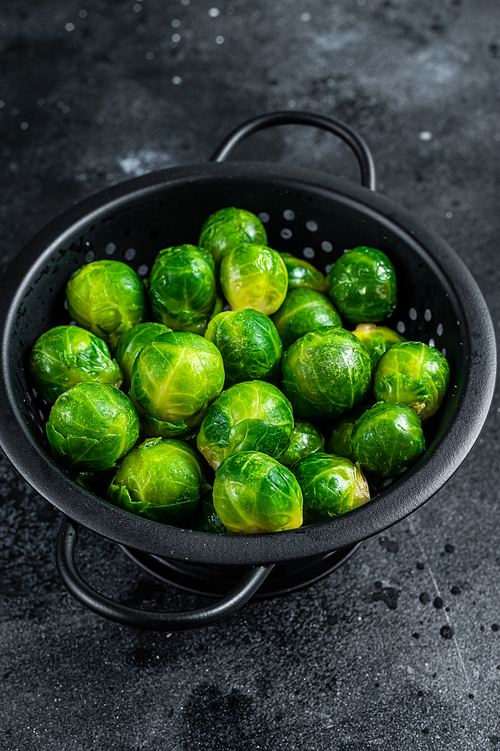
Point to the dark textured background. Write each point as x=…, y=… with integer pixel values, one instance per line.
x=93, y=93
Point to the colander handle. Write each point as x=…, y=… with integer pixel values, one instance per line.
x=98, y=603
x=332, y=124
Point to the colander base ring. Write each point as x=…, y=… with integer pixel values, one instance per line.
x=216, y=581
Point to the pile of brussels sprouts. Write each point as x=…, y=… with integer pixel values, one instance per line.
x=257, y=373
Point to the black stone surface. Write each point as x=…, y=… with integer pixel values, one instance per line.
x=400, y=648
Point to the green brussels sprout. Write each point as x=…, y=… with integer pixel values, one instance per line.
x=91, y=426
x=415, y=374
x=228, y=228
x=254, y=493
x=377, y=339
x=107, y=298
x=325, y=372
x=387, y=439
x=340, y=439
x=362, y=285
x=131, y=344
x=302, y=274
x=182, y=288
x=249, y=344
x=250, y=416
x=66, y=355
x=331, y=485
x=207, y=519
x=159, y=480
x=305, y=440
x=304, y=310
x=254, y=276
x=174, y=379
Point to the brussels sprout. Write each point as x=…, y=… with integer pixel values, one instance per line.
x=91, y=426
x=250, y=416
x=228, y=228
x=249, y=344
x=254, y=493
x=160, y=480
x=302, y=274
x=362, y=285
x=67, y=355
x=174, y=379
x=254, y=276
x=387, y=439
x=415, y=374
x=207, y=519
x=377, y=339
x=131, y=344
x=326, y=372
x=107, y=298
x=305, y=440
x=302, y=311
x=340, y=439
x=182, y=288
x=331, y=485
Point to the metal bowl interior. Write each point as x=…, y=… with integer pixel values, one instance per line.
x=306, y=213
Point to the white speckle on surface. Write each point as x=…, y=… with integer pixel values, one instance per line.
x=110, y=249
x=82, y=13
x=137, y=8
x=413, y=314
x=129, y=254
x=176, y=38
x=443, y=351
x=427, y=314
x=288, y=214
x=292, y=103
x=24, y=125
x=69, y=26
x=308, y=253
x=439, y=330
x=219, y=39
x=264, y=217
x=432, y=343
x=326, y=246
x=176, y=80
x=214, y=12
x=328, y=267
x=175, y=23
x=400, y=327
x=449, y=214
x=40, y=102
x=143, y=269
x=305, y=17
x=14, y=111
x=143, y=161
x=311, y=225
x=286, y=233
x=425, y=135
x=149, y=55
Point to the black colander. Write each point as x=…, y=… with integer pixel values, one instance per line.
x=309, y=214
